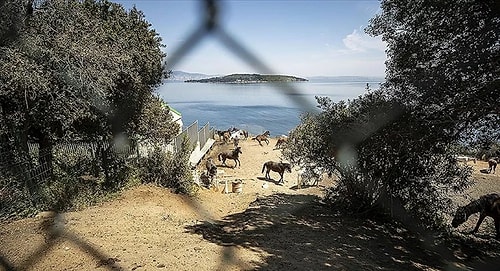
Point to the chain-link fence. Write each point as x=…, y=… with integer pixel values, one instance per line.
x=210, y=27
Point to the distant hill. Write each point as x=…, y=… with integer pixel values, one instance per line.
x=248, y=78
x=346, y=79
x=180, y=76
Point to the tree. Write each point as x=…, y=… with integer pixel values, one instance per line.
x=393, y=147
x=75, y=70
x=156, y=121
x=444, y=55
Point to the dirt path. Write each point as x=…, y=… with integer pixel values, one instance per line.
x=266, y=227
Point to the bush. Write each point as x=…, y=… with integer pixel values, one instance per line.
x=383, y=154
x=169, y=170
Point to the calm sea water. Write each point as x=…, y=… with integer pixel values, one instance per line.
x=253, y=107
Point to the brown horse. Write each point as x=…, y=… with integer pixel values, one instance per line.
x=276, y=167
x=223, y=135
x=262, y=137
x=281, y=141
x=211, y=170
x=230, y=155
x=486, y=205
x=492, y=164
x=245, y=133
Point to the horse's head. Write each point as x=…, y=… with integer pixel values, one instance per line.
x=459, y=218
x=267, y=133
x=237, y=150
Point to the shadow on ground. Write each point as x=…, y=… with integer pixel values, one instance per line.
x=298, y=232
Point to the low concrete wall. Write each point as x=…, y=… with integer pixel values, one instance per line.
x=198, y=152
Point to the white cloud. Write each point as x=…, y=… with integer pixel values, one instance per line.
x=358, y=41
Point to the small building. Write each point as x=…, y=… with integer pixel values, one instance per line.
x=176, y=117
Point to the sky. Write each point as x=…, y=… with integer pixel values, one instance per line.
x=292, y=37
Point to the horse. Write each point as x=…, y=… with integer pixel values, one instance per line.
x=262, y=137
x=230, y=155
x=224, y=135
x=245, y=133
x=310, y=173
x=211, y=169
x=236, y=141
x=492, y=165
x=276, y=167
x=220, y=133
x=486, y=205
x=238, y=134
x=281, y=141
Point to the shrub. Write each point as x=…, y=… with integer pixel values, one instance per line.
x=169, y=170
x=383, y=154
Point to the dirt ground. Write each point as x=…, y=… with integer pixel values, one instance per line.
x=265, y=227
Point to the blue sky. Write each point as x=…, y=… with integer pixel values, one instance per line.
x=301, y=38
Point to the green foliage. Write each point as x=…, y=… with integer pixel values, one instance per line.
x=59, y=81
x=156, y=121
x=395, y=147
x=75, y=71
x=380, y=155
x=169, y=170
x=443, y=61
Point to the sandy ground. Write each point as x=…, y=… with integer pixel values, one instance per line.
x=265, y=227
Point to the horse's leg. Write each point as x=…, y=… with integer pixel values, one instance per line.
x=280, y=181
x=481, y=218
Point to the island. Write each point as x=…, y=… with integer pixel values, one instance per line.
x=249, y=79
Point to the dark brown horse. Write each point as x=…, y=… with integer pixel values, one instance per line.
x=230, y=155
x=276, y=167
x=486, y=205
x=262, y=137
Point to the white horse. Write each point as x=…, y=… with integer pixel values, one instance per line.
x=308, y=173
x=238, y=134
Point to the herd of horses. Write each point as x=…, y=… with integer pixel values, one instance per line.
x=486, y=205
x=234, y=134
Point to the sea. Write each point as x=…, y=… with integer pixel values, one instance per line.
x=255, y=107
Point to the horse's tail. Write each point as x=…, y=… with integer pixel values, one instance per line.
x=263, y=167
x=254, y=138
